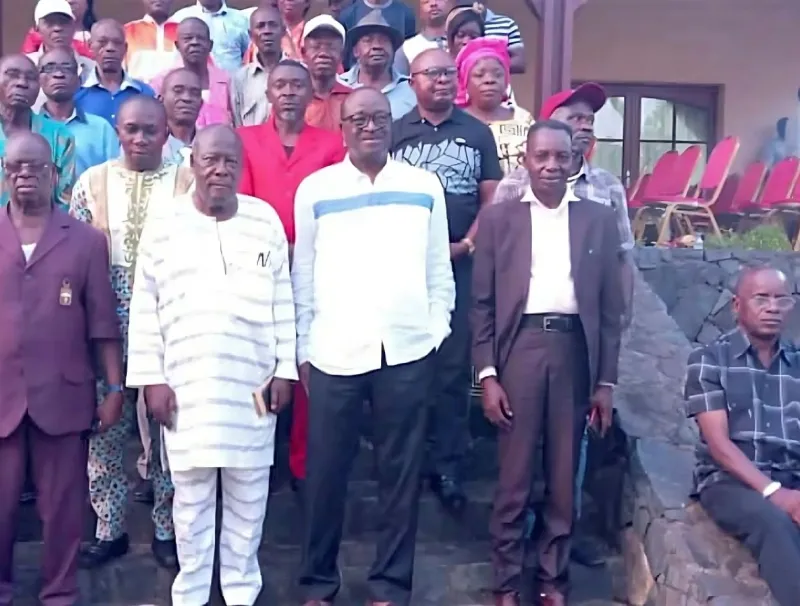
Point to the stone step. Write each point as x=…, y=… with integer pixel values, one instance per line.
x=284, y=517
x=445, y=575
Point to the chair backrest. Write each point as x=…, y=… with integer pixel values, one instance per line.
x=661, y=180
x=781, y=182
x=725, y=200
x=717, y=168
x=749, y=186
x=687, y=163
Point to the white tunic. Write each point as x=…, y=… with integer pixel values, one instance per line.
x=212, y=316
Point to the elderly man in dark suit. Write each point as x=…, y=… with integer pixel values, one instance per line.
x=58, y=319
x=546, y=322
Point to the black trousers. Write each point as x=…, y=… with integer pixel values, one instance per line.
x=398, y=396
x=769, y=533
x=448, y=436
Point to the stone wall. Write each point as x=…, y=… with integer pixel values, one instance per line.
x=696, y=285
x=674, y=555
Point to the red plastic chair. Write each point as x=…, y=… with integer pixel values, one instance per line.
x=686, y=208
x=660, y=183
x=777, y=201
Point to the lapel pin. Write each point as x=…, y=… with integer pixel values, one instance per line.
x=65, y=294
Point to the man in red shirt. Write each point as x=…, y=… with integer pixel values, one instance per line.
x=277, y=156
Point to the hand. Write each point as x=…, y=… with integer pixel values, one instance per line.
x=109, y=412
x=280, y=394
x=458, y=249
x=496, y=406
x=788, y=501
x=602, y=409
x=161, y=403
x=304, y=370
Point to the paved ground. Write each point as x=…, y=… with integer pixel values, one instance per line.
x=445, y=576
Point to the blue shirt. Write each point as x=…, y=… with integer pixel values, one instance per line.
x=62, y=146
x=93, y=98
x=230, y=33
x=401, y=96
x=95, y=140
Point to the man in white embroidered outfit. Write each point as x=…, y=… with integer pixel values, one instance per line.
x=116, y=197
x=212, y=321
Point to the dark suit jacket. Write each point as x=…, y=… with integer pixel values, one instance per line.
x=501, y=280
x=45, y=347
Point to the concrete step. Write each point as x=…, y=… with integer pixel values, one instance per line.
x=445, y=575
x=284, y=517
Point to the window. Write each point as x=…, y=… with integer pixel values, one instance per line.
x=639, y=123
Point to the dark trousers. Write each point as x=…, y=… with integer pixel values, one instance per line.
x=398, y=397
x=448, y=436
x=58, y=465
x=546, y=380
x=769, y=533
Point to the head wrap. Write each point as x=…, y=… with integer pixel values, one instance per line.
x=474, y=51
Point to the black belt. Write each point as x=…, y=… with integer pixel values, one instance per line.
x=552, y=322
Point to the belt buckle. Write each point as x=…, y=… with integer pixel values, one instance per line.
x=547, y=322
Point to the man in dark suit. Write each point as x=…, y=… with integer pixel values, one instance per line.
x=58, y=318
x=546, y=323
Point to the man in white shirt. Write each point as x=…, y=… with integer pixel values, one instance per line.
x=433, y=33
x=371, y=311
x=546, y=323
x=212, y=343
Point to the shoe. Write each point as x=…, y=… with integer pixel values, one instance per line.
x=143, y=493
x=99, y=553
x=507, y=599
x=586, y=552
x=449, y=492
x=165, y=553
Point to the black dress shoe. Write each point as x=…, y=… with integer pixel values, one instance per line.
x=586, y=552
x=143, y=493
x=449, y=492
x=100, y=553
x=165, y=554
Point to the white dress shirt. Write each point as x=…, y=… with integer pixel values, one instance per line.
x=371, y=272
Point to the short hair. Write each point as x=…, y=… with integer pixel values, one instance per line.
x=750, y=269
x=461, y=19
x=144, y=100
x=548, y=125
x=190, y=20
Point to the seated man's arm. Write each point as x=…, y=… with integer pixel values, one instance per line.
x=706, y=401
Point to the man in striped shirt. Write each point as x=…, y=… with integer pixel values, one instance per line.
x=211, y=328
x=505, y=28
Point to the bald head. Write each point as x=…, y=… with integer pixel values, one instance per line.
x=58, y=74
x=192, y=24
x=433, y=78
x=431, y=57
x=28, y=172
x=139, y=105
x=217, y=166
x=217, y=136
x=361, y=96
x=367, y=127
x=194, y=42
x=107, y=26
x=181, y=74
x=751, y=275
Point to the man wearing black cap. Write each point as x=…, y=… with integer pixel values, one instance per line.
x=396, y=13
x=374, y=44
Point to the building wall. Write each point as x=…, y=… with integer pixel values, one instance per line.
x=748, y=47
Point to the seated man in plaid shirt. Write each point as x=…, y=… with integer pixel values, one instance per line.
x=744, y=392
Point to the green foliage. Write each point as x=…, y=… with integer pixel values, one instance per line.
x=763, y=237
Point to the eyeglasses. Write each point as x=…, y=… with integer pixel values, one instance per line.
x=15, y=168
x=361, y=121
x=58, y=68
x=782, y=302
x=434, y=73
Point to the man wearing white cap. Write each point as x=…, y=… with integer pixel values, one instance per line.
x=323, y=44
x=55, y=22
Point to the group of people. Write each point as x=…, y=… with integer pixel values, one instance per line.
x=333, y=230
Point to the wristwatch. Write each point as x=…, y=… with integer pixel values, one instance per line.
x=470, y=245
x=115, y=388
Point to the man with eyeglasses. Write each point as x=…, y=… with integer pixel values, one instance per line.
x=19, y=88
x=743, y=390
x=58, y=314
x=95, y=139
x=371, y=311
x=461, y=151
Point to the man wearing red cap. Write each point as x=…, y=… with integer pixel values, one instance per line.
x=577, y=108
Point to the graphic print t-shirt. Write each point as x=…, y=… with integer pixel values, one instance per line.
x=461, y=151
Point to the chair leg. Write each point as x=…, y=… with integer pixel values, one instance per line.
x=638, y=225
x=663, y=225
x=713, y=221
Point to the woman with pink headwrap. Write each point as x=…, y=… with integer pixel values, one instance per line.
x=484, y=75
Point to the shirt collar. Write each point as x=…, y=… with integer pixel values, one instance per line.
x=77, y=114
x=339, y=88
x=414, y=117
x=569, y=196
x=740, y=345
x=223, y=10
x=148, y=19
x=350, y=78
x=490, y=14
x=127, y=82
x=255, y=65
